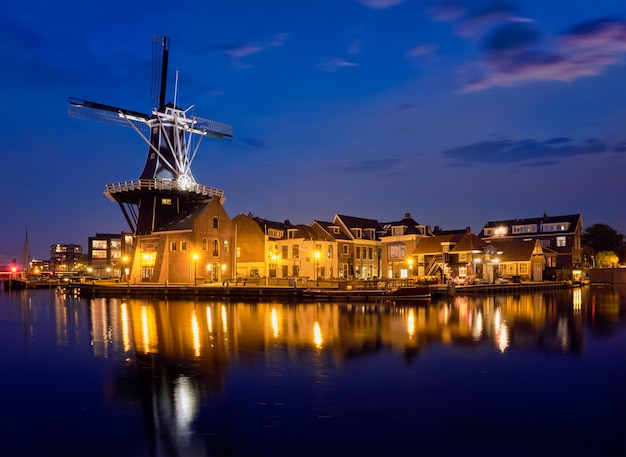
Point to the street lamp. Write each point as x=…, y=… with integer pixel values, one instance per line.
x=124, y=262
x=195, y=269
x=317, y=259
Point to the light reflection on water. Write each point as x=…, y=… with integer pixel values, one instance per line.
x=200, y=373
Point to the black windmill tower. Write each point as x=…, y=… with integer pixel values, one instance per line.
x=166, y=190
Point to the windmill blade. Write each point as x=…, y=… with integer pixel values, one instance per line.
x=91, y=111
x=215, y=129
x=160, y=56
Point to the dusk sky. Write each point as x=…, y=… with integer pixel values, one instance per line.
x=458, y=112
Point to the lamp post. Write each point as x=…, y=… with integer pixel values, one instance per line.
x=317, y=259
x=195, y=269
x=124, y=262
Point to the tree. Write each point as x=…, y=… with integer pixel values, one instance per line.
x=606, y=259
x=601, y=237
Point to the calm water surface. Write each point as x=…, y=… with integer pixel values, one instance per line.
x=535, y=374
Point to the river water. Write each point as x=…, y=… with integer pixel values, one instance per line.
x=532, y=374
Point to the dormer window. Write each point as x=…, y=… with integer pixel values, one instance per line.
x=357, y=232
x=397, y=231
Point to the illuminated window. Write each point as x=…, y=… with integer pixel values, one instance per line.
x=561, y=241
x=98, y=244
x=99, y=254
x=225, y=245
x=166, y=201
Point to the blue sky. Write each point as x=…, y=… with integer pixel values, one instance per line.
x=459, y=112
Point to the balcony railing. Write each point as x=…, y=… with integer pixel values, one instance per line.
x=162, y=184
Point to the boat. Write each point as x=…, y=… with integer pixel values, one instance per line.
x=409, y=293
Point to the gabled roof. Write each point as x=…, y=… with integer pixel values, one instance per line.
x=351, y=222
x=326, y=227
x=408, y=222
x=516, y=249
x=184, y=221
x=432, y=245
x=469, y=242
x=572, y=219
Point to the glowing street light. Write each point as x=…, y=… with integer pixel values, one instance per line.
x=195, y=269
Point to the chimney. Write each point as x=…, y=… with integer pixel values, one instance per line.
x=407, y=215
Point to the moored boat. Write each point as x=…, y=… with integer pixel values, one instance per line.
x=409, y=293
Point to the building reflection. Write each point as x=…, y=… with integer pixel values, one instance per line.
x=174, y=355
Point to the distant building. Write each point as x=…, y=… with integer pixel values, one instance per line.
x=65, y=256
x=559, y=234
x=107, y=253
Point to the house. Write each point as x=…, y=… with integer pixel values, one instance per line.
x=560, y=234
x=398, y=241
x=195, y=247
x=512, y=258
x=359, y=253
x=271, y=249
x=449, y=255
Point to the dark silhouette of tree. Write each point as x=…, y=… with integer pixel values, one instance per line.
x=602, y=237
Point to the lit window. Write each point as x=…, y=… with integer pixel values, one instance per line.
x=166, y=201
x=561, y=241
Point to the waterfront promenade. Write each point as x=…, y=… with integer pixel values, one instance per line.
x=322, y=291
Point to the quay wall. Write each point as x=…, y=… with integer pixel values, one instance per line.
x=607, y=275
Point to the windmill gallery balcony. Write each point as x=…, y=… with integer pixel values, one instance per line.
x=160, y=184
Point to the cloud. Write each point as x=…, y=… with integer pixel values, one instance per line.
x=331, y=64
x=380, y=4
x=370, y=165
x=514, y=54
x=527, y=152
x=239, y=51
x=421, y=49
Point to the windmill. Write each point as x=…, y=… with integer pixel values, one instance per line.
x=166, y=190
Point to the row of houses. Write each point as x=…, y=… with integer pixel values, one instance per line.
x=208, y=246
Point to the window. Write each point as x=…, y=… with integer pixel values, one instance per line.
x=284, y=252
x=545, y=243
x=358, y=252
x=357, y=233
x=335, y=230
x=173, y=246
x=285, y=271
x=225, y=245
x=216, y=223
x=99, y=244
x=183, y=245
x=98, y=254
x=295, y=251
x=116, y=244
x=330, y=251
x=345, y=249
x=296, y=270
x=462, y=256
x=216, y=248
x=371, y=252
x=523, y=268
x=205, y=244
x=166, y=201
x=393, y=251
x=561, y=241
x=396, y=231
